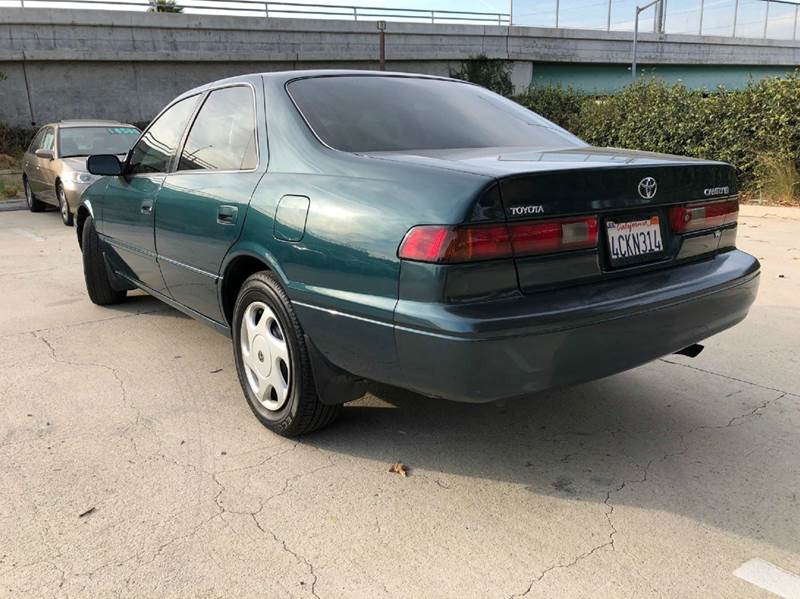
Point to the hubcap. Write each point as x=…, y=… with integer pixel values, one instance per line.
x=62, y=201
x=265, y=355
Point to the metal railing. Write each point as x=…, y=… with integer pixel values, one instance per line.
x=765, y=19
x=769, y=19
x=293, y=9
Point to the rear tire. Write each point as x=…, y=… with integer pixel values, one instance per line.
x=272, y=360
x=98, y=285
x=34, y=205
x=63, y=205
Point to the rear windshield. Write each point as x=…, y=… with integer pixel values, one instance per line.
x=85, y=141
x=374, y=113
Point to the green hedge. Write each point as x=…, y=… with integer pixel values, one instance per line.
x=14, y=140
x=757, y=129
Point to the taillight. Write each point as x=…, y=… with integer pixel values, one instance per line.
x=447, y=244
x=695, y=217
x=437, y=243
x=544, y=237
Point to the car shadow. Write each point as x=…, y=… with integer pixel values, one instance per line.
x=662, y=437
x=587, y=443
x=139, y=302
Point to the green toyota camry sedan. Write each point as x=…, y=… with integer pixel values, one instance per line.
x=347, y=226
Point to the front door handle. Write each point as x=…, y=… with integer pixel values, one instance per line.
x=226, y=215
x=147, y=207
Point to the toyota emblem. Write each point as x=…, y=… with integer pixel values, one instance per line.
x=647, y=188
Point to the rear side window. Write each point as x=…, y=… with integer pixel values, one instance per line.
x=158, y=146
x=377, y=113
x=223, y=136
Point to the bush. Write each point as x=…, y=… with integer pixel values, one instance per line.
x=10, y=186
x=164, y=6
x=757, y=129
x=14, y=140
x=487, y=72
x=561, y=105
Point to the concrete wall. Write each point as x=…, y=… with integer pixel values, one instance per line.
x=605, y=78
x=126, y=65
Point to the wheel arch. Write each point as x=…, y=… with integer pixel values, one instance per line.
x=84, y=211
x=238, y=265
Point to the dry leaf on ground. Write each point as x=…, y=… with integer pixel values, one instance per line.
x=399, y=468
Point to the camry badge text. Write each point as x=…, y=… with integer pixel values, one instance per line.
x=717, y=191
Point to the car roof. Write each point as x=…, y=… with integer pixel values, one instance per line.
x=286, y=76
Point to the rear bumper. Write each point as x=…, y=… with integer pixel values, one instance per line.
x=509, y=348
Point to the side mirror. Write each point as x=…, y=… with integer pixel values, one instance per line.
x=104, y=164
x=42, y=153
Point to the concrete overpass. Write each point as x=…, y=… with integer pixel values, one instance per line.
x=64, y=63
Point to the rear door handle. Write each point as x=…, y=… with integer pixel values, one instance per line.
x=147, y=207
x=226, y=215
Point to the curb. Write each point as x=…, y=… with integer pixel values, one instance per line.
x=9, y=205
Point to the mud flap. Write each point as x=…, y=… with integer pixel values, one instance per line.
x=334, y=385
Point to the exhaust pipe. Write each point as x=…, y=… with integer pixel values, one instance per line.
x=691, y=351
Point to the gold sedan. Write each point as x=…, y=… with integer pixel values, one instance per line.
x=54, y=166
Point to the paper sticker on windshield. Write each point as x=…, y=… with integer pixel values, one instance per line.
x=122, y=131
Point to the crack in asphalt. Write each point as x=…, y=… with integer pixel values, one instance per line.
x=262, y=503
x=728, y=377
x=298, y=557
x=138, y=420
x=609, y=513
x=160, y=310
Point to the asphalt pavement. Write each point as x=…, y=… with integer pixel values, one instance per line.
x=130, y=465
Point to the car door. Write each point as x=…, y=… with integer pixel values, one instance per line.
x=127, y=211
x=47, y=172
x=38, y=174
x=202, y=205
x=30, y=164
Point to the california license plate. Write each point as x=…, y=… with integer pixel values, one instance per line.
x=635, y=239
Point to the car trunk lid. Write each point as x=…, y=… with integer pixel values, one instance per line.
x=626, y=190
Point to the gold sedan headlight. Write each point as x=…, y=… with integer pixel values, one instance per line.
x=78, y=177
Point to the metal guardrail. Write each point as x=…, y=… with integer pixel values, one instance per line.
x=766, y=19
x=297, y=9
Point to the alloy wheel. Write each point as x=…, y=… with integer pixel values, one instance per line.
x=265, y=354
x=28, y=195
x=62, y=203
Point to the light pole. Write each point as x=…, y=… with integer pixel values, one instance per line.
x=382, y=44
x=658, y=27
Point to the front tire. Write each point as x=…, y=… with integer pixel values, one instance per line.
x=63, y=205
x=98, y=285
x=272, y=360
x=34, y=205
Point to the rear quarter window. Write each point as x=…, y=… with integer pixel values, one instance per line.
x=223, y=136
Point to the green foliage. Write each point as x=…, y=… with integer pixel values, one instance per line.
x=164, y=6
x=561, y=105
x=14, y=140
x=10, y=186
x=777, y=178
x=487, y=72
x=757, y=129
